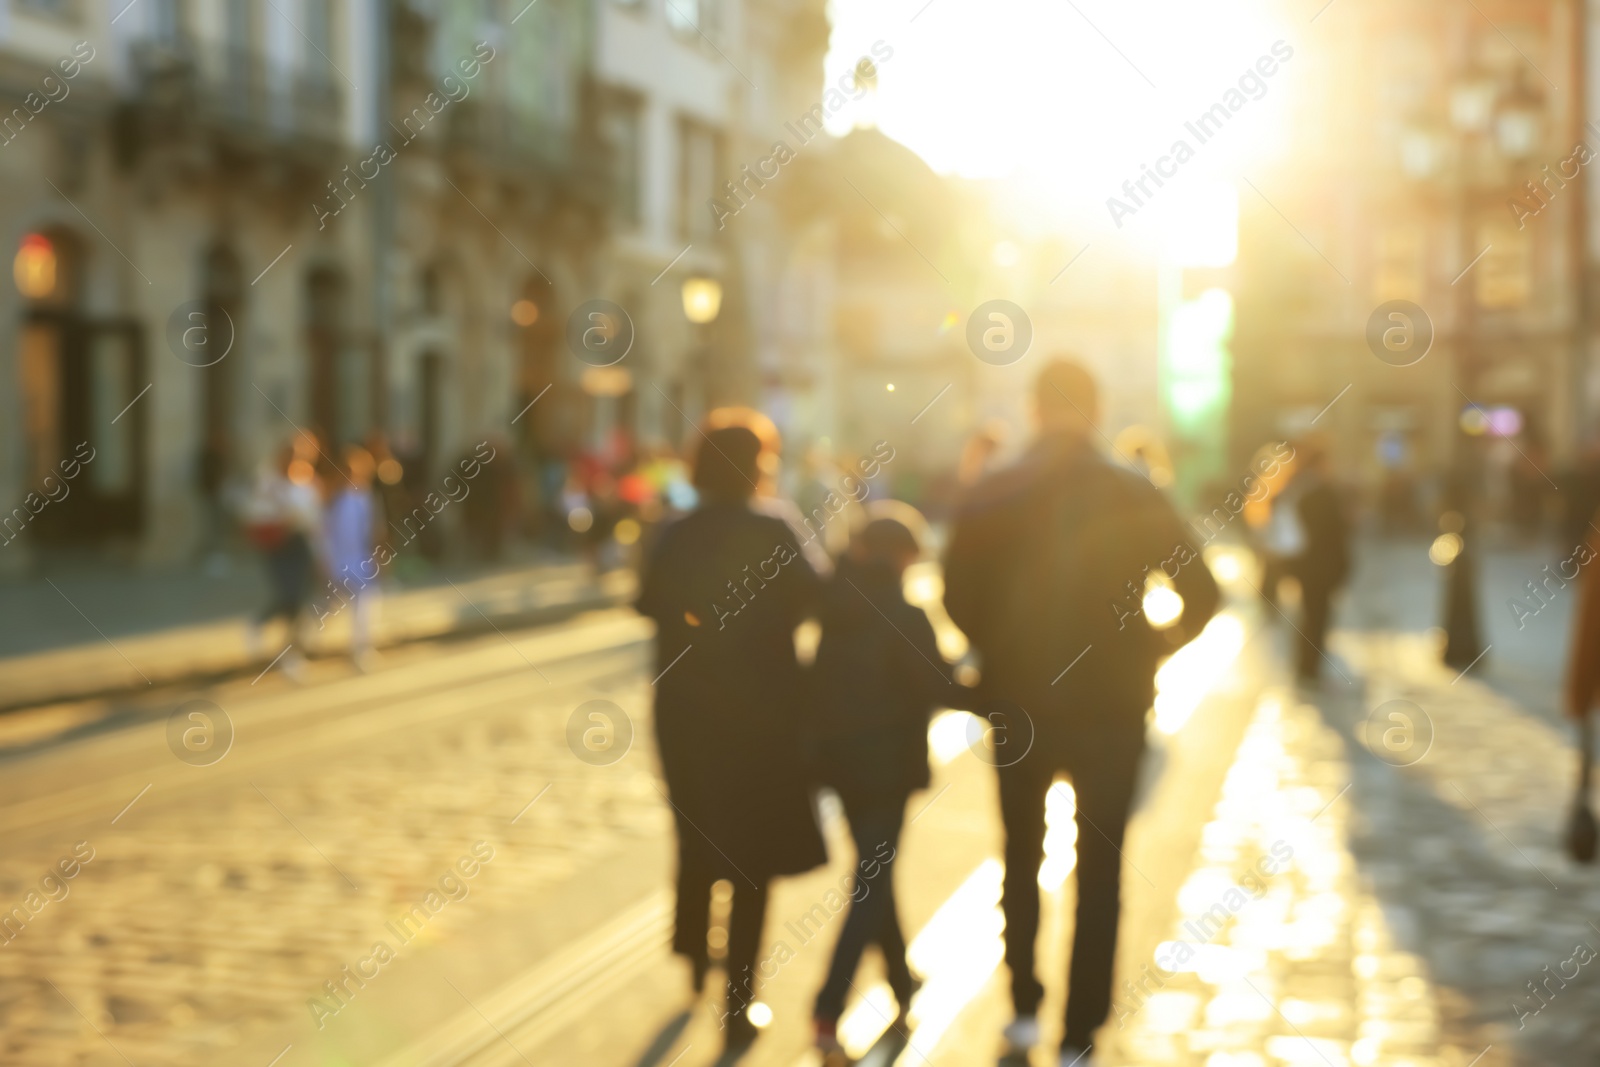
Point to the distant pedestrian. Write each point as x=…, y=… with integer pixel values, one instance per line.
x=877, y=677
x=1583, y=683
x=1323, y=561
x=349, y=531
x=1045, y=573
x=726, y=587
x=282, y=517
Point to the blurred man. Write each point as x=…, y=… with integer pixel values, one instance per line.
x=1045, y=573
x=1323, y=561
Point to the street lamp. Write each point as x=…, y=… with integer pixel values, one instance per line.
x=702, y=299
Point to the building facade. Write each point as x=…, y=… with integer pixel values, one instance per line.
x=230, y=220
x=1451, y=177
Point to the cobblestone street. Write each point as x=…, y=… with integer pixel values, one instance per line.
x=1299, y=891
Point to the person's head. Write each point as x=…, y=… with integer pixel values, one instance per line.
x=727, y=464
x=358, y=466
x=306, y=446
x=766, y=432
x=1066, y=400
x=886, y=543
x=893, y=536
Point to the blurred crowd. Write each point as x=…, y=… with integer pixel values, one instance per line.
x=332, y=525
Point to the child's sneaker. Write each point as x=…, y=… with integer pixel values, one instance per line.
x=827, y=1042
x=902, y=1019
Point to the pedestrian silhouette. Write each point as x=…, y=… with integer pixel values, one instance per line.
x=726, y=587
x=1323, y=561
x=877, y=677
x=1046, y=572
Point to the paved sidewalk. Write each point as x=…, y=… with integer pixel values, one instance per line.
x=1382, y=891
x=1462, y=847
x=104, y=633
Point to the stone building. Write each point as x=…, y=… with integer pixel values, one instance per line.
x=171, y=285
x=1404, y=185
x=694, y=93
x=229, y=219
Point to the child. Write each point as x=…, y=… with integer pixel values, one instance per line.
x=877, y=677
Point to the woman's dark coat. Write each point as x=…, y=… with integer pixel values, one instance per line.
x=726, y=588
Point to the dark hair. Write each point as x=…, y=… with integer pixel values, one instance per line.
x=884, y=540
x=727, y=463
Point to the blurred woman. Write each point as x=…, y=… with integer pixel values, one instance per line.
x=350, y=550
x=808, y=529
x=726, y=587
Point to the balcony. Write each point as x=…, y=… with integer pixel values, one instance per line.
x=520, y=144
x=231, y=93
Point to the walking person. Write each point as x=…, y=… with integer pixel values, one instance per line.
x=282, y=516
x=1045, y=573
x=726, y=587
x=350, y=548
x=877, y=678
x=1323, y=561
x=1583, y=684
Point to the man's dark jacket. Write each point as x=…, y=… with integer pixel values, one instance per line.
x=1047, y=562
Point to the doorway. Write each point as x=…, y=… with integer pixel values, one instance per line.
x=80, y=380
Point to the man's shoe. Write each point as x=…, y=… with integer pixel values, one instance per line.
x=1073, y=1056
x=1021, y=1034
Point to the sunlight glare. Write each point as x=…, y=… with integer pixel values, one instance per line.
x=1185, y=679
x=1036, y=92
x=956, y=952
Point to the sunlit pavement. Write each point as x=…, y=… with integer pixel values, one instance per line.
x=1333, y=907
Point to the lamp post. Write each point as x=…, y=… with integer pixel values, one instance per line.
x=1495, y=122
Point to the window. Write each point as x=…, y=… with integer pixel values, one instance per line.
x=624, y=136
x=236, y=26
x=692, y=17
x=57, y=9
x=683, y=15
x=697, y=178
x=166, y=21
x=319, y=38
